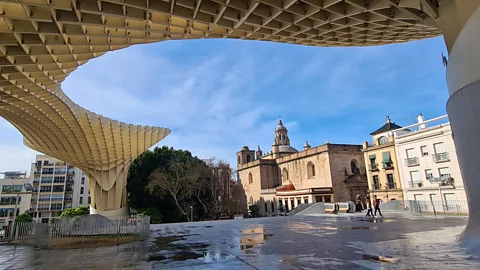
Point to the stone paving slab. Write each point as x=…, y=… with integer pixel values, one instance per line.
x=294, y=242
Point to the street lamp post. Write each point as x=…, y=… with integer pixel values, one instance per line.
x=191, y=213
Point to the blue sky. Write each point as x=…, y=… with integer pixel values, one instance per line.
x=218, y=95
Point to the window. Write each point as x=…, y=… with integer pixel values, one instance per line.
x=45, y=188
x=266, y=208
x=45, y=162
x=424, y=150
x=285, y=174
x=248, y=158
x=57, y=189
x=10, y=200
x=46, y=179
x=299, y=201
x=382, y=140
x=47, y=170
x=376, y=183
x=439, y=148
x=428, y=174
x=305, y=200
x=310, y=170
x=411, y=153
x=11, y=188
x=81, y=200
x=81, y=190
x=414, y=177
x=391, y=182
x=238, y=160
x=59, y=179
x=292, y=203
x=386, y=160
x=444, y=172
x=353, y=166
x=83, y=180
x=89, y=200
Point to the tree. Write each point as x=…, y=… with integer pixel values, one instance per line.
x=236, y=204
x=73, y=212
x=23, y=218
x=172, y=181
x=254, y=210
x=154, y=214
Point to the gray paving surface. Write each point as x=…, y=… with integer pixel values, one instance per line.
x=296, y=242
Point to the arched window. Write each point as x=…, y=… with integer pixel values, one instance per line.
x=353, y=166
x=238, y=160
x=382, y=140
x=248, y=158
x=250, y=178
x=285, y=174
x=310, y=169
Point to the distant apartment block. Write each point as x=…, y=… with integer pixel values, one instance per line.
x=428, y=163
x=11, y=183
x=57, y=186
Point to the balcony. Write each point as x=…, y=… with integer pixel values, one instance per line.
x=36, y=172
x=416, y=184
x=388, y=165
x=412, y=161
x=441, y=157
x=445, y=177
x=373, y=167
x=268, y=191
x=68, y=198
x=69, y=171
x=376, y=186
x=36, y=181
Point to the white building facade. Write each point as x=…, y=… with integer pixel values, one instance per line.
x=428, y=166
x=57, y=186
x=11, y=183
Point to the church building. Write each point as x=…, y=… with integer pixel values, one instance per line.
x=287, y=177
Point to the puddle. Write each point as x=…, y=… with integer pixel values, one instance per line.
x=378, y=220
x=251, y=238
x=185, y=248
x=358, y=228
x=208, y=226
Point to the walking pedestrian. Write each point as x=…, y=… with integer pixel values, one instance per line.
x=376, y=205
x=368, y=202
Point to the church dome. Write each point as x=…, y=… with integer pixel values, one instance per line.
x=280, y=126
x=287, y=149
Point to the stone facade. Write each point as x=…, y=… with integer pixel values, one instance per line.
x=288, y=177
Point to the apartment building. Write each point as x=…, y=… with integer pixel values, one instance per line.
x=57, y=186
x=381, y=163
x=428, y=165
x=11, y=183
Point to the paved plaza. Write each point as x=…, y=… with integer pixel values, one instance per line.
x=345, y=241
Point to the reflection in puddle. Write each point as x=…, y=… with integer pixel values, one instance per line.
x=358, y=228
x=374, y=220
x=184, y=248
x=250, y=238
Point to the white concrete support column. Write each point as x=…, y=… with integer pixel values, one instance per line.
x=463, y=107
x=108, y=190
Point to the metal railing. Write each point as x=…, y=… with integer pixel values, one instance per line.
x=373, y=167
x=450, y=207
x=78, y=232
x=441, y=157
x=412, y=161
x=415, y=184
